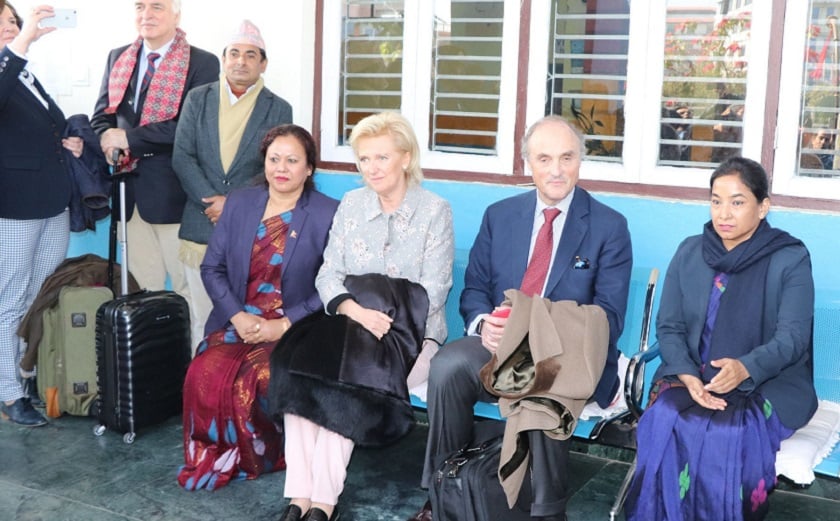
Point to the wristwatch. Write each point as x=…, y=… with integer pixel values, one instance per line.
x=479, y=326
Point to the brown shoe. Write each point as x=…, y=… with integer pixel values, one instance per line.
x=424, y=514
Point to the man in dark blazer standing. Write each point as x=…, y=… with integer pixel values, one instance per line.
x=143, y=89
x=217, y=149
x=590, y=263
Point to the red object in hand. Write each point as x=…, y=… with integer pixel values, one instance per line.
x=501, y=312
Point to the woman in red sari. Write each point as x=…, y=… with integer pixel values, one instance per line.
x=259, y=271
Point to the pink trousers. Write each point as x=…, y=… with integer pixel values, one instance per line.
x=316, y=461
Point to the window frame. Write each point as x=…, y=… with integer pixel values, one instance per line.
x=643, y=96
x=416, y=90
x=526, y=105
x=786, y=181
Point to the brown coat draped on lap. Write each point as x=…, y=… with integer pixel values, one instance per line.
x=547, y=365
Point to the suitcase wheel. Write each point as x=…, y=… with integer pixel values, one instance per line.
x=128, y=437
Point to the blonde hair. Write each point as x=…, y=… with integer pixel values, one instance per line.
x=395, y=125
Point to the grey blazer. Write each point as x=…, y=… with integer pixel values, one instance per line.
x=197, y=155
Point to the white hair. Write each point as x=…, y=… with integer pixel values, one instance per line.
x=176, y=6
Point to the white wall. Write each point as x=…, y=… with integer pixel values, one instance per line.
x=71, y=62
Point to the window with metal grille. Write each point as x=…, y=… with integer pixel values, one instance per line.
x=704, y=82
x=466, y=76
x=663, y=90
x=449, y=66
x=371, y=66
x=587, y=71
x=819, y=148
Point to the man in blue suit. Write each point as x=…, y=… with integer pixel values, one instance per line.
x=590, y=263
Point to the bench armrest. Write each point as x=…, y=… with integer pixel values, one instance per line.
x=634, y=383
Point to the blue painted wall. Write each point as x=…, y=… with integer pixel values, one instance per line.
x=657, y=226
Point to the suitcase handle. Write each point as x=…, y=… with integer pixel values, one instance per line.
x=119, y=179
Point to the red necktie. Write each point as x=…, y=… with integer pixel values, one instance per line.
x=150, y=70
x=534, y=279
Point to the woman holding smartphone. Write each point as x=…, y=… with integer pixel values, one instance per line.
x=35, y=191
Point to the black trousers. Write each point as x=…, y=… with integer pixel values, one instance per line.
x=454, y=387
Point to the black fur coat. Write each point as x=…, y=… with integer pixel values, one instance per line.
x=333, y=372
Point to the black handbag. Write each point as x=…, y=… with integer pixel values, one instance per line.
x=466, y=486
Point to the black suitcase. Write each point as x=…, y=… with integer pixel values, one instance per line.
x=142, y=351
x=142, y=354
x=466, y=486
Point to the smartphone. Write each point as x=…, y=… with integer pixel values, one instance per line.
x=62, y=18
x=501, y=312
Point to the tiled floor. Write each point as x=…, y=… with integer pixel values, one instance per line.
x=62, y=472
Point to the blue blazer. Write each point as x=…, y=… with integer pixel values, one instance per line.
x=226, y=264
x=781, y=368
x=154, y=188
x=595, y=237
x=34, y=179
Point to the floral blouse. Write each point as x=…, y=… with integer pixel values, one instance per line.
x=416, y=242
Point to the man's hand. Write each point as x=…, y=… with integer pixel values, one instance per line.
x=111, y=139
x=214, y=211
x=493, y=328
x=700, y=394
x=732, y=373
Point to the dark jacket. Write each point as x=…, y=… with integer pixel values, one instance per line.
x=334, y=372
x=197, y=157
x=226, y=264
x=34, y=182
x=155, y=188
x=91, y=187
x=780, y=368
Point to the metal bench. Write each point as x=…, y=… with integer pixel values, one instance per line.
x=826, y=380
